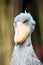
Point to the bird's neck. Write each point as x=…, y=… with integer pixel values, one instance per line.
x=28, y=41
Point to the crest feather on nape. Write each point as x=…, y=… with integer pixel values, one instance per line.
x=25, y=12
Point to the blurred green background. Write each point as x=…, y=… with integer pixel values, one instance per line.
x=8, y=10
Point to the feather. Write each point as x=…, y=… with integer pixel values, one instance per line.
x=24, y=54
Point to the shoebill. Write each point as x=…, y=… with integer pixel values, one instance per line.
x=23, y=53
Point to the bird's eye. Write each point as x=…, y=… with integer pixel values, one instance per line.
x=15, y=24
x=33, y=24
x=25, y=21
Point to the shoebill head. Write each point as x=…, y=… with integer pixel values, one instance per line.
x=23, y=27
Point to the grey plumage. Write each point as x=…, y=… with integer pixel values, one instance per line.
x=24, y=54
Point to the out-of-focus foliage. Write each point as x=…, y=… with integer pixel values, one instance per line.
x=6, y=32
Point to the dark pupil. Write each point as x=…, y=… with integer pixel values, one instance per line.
x=24, y=21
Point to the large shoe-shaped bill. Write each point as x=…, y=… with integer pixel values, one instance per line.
x=21, y=33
